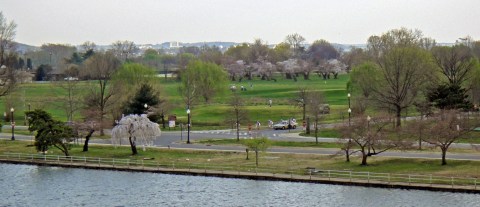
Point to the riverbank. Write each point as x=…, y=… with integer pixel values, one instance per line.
x=382, y=180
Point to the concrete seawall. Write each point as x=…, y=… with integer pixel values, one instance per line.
x=255, y=176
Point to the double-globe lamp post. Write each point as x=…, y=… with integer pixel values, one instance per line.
x=13, y=123
x=188, y=126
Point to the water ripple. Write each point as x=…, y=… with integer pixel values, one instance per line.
x=26, y=185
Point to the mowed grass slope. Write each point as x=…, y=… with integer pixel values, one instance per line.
x=47, y=96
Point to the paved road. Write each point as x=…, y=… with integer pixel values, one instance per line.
x=177, y=139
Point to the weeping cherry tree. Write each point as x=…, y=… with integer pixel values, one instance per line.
x=137, y=128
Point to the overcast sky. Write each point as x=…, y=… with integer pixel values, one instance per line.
x=157, y=21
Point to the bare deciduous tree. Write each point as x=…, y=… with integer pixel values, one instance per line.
x=369, y=134
x=301, y=100
x=86, y=46
x=69, y=96
x=455, y=63
x=315, y=108
x=296, y=43
x=123, y=49
x=353, y=58
x=7, y=35
x=446, y=128
x=240, y=115
x=100, y=68
x=7, y=80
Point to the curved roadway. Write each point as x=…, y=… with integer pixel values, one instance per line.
x=177, y=139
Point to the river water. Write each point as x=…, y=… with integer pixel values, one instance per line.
x=29, y=185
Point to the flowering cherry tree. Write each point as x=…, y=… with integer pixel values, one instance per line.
x=137, y=128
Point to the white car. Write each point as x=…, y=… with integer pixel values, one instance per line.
x=285, y=125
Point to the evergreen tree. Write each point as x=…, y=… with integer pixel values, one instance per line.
x=145, y=95
x=450, y=96
x=42, y=72
x=50, y=132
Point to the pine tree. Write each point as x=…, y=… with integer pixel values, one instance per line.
x=145, y=95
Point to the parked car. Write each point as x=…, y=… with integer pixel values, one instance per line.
x=285, y=124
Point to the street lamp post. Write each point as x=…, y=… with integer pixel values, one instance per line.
x=349, y=110
x=13, y=123
x=146, y=108
x=188, y=126
x=368, y=121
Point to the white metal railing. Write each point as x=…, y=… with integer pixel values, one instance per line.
x=249, y=169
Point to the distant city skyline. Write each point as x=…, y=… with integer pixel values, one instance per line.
x=152, y=22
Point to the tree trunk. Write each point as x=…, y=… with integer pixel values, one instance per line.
x=304, y=109
x=246, y=150
x=65, y=150
x=133, y=146
x=163, y=121
x=87, y=139
x=347, y=150
x=444, y=154
x=237, y=124
x=420, y=142
x=305, y=76
x=347, y=155
x=398, y=116
x=102, y=133
x=364, y=158
x=256, y=157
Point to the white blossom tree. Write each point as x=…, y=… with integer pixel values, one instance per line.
x=137, y=128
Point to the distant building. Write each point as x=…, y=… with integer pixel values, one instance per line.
x=174, y=45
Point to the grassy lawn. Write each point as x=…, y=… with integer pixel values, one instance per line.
x=46, y=96
x=273, y=143
x=276, y=162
